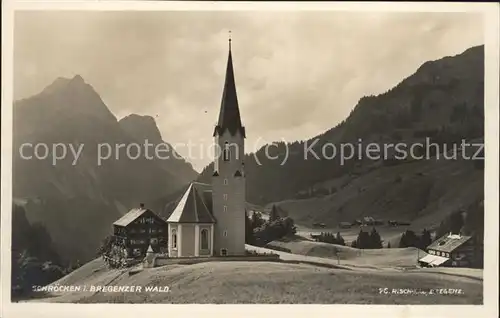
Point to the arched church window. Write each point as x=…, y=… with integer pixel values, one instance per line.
x=174, y=238
x=226, y=151
x=204, y=239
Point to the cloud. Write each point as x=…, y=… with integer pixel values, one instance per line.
x=297, y=73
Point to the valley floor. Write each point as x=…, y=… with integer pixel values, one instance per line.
x=298, y=279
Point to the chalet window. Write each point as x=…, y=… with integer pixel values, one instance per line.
x=225, y=233
x=174, y=239
x=137, y=242
x=225, y=181
x=225, y=196
x=225, y=208
x=226, y=151
x=223, y=252
x=204, y=239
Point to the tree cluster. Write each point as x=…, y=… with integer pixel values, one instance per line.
x=411, y=239
x=34, y=260
x=367, y=240
x=331, y=238
x=260, y=232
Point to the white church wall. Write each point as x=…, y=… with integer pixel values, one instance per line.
x=230, y=228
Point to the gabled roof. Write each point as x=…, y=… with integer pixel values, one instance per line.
x=448, y=242
x=229, y=115
x=130, y=216
x=192, y=207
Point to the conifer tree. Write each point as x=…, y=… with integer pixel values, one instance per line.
x=274, y=215
x=375, y=240
x=425, y=239
x=339, y=239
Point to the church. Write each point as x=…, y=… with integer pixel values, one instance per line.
x=209, y=219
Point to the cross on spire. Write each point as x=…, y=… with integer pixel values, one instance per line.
x=229, y=39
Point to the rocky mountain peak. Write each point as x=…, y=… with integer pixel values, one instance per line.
x=141, y=127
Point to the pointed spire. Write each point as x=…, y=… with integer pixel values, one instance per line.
x=229, y=115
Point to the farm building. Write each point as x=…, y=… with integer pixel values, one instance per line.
x=138, y=229
x=453, y=250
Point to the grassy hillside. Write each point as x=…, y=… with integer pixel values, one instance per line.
x=265, y=282
x=422, y=192
x=391, y=258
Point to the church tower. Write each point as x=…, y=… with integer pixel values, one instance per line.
x=228, y=181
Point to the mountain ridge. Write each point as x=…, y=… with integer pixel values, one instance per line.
x=414, y=102
x=70, y=196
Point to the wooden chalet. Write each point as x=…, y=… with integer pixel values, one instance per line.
x=139, y=229
x=453, y=250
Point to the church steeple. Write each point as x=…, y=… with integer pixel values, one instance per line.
x=229, y=116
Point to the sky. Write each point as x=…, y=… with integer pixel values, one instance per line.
x=297, y=73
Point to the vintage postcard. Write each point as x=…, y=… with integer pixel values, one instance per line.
x=167, y=153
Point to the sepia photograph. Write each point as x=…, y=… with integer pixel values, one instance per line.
x=235, y=156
